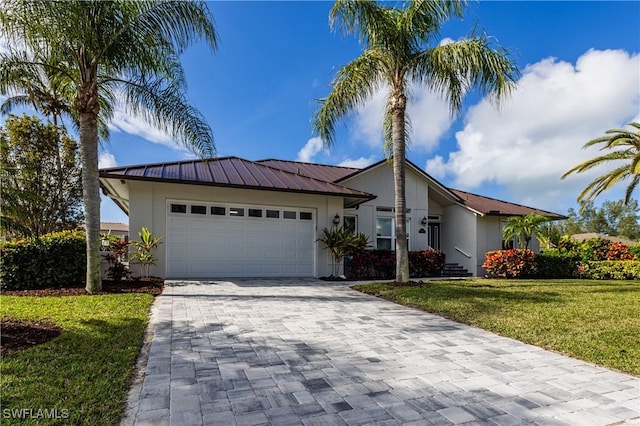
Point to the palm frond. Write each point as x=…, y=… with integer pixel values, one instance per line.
x=353, y=85
x=451, y=70
x=364, y=18
x=589, y=164
x=423, y=18
x=604, y=183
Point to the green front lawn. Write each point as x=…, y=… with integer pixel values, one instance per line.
x=597, y=321
x=84, y=374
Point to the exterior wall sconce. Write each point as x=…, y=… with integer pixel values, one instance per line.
x=336, y=220
x=424, y=221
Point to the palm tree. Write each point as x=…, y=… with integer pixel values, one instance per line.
x=46, y=91
x=627, y=144
x=523, y=228
x=111, y=50
x=399, y=49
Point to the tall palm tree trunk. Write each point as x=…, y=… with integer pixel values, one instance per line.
x=87, y=104
x=398, y=108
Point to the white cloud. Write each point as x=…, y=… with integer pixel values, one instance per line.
x=428, y=114
x=106, y=160
x=310, y=149
x=538, y=133
x=430, y=119
x=368, y=119
x=125, y=122
x=359, y=163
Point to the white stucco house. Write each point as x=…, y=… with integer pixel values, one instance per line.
x=230, y=217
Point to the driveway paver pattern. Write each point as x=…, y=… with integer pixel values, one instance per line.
x=309, y=352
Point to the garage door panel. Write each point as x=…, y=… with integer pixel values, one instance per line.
x=215, y=245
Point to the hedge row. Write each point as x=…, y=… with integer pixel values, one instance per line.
x=53, y=260
x=381, y=264
x=554, y=264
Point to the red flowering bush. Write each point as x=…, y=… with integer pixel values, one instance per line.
x=619, y=251
x=509, y=263
x=426, y=263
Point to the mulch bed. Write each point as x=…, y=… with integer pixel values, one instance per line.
x=150, y=285
x=16, y=335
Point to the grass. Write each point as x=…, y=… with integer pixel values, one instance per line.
x=85, y=372
x=596, y=321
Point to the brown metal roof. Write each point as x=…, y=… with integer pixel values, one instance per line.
x=317, y=171
x=494, y=207
x=232, y=172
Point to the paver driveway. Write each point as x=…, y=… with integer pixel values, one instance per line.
x=292, y=352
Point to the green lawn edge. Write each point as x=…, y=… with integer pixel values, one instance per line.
x=83, y=376
x=595, y=321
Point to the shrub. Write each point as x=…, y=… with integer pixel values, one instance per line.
x=635, y=249
x=381, y=264
x=552, y=263
x=613, y=270
x=384, y=264
x=116, y=256
x=427, y=263
x=619, y=251
x=53, y=260
x=509, y=263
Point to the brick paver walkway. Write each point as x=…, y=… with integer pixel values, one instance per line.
x=307, y=352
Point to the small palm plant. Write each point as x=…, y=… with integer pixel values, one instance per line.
x=523, y=228
x=340, y=243
x=144, y=251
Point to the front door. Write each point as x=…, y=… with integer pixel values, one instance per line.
x=434, y=235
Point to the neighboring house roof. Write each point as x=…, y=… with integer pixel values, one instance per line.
x=234, y=172
x=493, y=207
x=590, y=235
x=114, y=226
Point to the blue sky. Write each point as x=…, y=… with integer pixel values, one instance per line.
x=580, y=68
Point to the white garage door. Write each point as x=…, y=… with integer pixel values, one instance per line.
x=218, y=240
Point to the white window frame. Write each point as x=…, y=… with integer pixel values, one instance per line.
x=393, y=232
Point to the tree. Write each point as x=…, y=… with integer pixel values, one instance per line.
x=105, y=51
x=400, y=49
x=615, y=218
x=46, y=92
x=41, y=189
x=626, y=146
x=523, y=228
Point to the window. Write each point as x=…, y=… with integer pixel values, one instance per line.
x=178, y=208
x=235, y=211
x=274, y=214
x=255, y=213
x=198, y=209
x=306, y=216
x=289, y=214
x=386, y=233
x=350, y=224
x=218, y=211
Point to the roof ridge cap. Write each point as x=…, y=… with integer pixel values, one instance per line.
x=309, y=163
x=305, y=176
